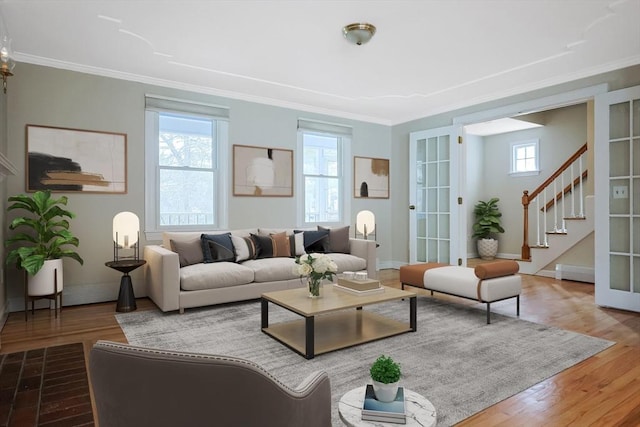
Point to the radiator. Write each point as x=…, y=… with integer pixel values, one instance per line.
x=575, y=273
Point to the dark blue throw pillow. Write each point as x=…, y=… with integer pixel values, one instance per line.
x=316, y=241
x=217, y=247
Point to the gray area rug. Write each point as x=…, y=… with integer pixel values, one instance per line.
x=461, y=364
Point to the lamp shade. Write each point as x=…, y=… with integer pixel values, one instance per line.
x=365, y=222
x=126, y=226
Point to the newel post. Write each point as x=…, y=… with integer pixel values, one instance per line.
x=526, y=253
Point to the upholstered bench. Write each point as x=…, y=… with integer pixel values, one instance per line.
x=486, y=283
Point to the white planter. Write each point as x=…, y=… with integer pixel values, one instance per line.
x=487, y=248
x=42, y=283
x=385, y=392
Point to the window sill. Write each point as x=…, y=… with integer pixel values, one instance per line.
x=527, y=173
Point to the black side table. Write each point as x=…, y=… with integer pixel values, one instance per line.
x=126, y=298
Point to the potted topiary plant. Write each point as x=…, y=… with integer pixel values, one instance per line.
x=487, y=223
x=385, y=373
x=41, y=249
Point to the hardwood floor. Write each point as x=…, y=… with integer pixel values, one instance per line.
x=603, y=390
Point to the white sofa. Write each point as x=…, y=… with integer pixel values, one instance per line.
x=172, y=287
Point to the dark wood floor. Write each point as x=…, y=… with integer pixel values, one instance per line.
x=603, y=390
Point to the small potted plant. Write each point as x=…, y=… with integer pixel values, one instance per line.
x=385, y=373
x=44, y=242
x=487, y=223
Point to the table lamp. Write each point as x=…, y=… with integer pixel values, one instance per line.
x=365, y=223
x=126, y=235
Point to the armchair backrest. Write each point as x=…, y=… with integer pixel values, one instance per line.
x=147, y=387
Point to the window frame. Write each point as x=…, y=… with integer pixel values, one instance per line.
x=514, y=146
x=153, y=229
x=344, y=175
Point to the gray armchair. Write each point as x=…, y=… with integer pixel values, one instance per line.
x=136, y=386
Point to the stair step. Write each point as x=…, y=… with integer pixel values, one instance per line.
x=539, y=247
x=557, y=232
x=575, y=218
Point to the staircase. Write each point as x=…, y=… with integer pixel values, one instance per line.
x=559, y=222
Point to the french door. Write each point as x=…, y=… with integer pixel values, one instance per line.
x=617, y=191
x=434, y=228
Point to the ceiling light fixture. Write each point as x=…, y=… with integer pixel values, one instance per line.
x=359, y=33
x=6, y=61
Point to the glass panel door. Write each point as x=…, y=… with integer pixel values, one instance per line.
x=618, y=181
x=433, y=215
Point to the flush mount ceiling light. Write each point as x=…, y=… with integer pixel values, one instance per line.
x=359, y=33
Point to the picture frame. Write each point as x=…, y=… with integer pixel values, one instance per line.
x=75, y=160
x=370, y=178
x=262, y=171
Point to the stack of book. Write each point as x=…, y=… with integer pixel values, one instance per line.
x=388, y=412
x=359, y=287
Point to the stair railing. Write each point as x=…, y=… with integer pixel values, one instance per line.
x=575, y=168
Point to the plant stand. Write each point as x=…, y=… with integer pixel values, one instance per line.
x=54, y=296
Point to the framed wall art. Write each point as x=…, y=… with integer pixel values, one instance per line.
x=70, y=160
x=370, y=178
x=262, y=171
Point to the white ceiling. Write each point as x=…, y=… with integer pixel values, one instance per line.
x=427, y=57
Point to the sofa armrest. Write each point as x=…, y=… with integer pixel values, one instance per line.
x=365, y=249
x=162, y=277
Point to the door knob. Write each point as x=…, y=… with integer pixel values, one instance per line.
x=412, y=207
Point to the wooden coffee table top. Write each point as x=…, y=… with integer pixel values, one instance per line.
x=298, y=301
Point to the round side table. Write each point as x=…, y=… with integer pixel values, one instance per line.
x=420, y=412
x=126, y=298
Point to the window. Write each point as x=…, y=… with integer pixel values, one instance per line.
x=185, y=144
x=524, y=158
x=323, y=148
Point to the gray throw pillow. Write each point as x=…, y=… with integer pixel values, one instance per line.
x=189, y=252
x=217, y=247
x=338, y=239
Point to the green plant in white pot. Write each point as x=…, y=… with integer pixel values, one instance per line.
x=487, y=224
x=43, y=240
x=385, y=373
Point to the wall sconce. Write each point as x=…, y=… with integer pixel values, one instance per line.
x=6, y=61
x=365, y=223
x=126, y=235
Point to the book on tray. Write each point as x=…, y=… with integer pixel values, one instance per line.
x=390, y=412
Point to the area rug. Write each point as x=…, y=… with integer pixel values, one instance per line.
x=45, y=387
x=457, y=361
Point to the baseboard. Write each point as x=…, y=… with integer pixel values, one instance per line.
x=79, y=294
x=546, y=273
x=575, y=273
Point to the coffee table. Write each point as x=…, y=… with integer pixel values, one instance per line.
x=336, y=320
x=420, y=411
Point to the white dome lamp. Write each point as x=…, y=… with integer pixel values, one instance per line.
x=359, y=33
x=366, y=223
x=126, y=233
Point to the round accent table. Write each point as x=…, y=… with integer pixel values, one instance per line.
x=420, y=412
x=126, y=298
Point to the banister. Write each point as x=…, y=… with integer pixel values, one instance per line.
x=527, y=198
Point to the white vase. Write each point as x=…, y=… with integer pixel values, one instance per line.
x=487, y=248
x=385, y=392
x=42, y=283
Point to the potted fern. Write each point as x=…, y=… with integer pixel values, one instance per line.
x=385, y=373
x=44, y=241
x=487, y=224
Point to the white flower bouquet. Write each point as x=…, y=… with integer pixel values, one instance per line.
x=316, y=268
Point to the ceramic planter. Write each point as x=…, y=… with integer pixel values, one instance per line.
x=487, y=248
x=42, y=283
x=385, y=392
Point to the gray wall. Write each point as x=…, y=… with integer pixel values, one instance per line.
x=53, y=97
x=3, y=192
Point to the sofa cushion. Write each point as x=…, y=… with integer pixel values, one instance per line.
x=189, y=252
x=347, y=262
x=214, y=275
x=244, y=248
x=264, y=246
x=217, y=247
x=296, y=244
x=272, y=269
x=316, y=240
x=338, y=239
x=281, y=247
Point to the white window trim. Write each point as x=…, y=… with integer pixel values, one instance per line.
x=512, y=155
x=347, y=174
x=153, y=231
